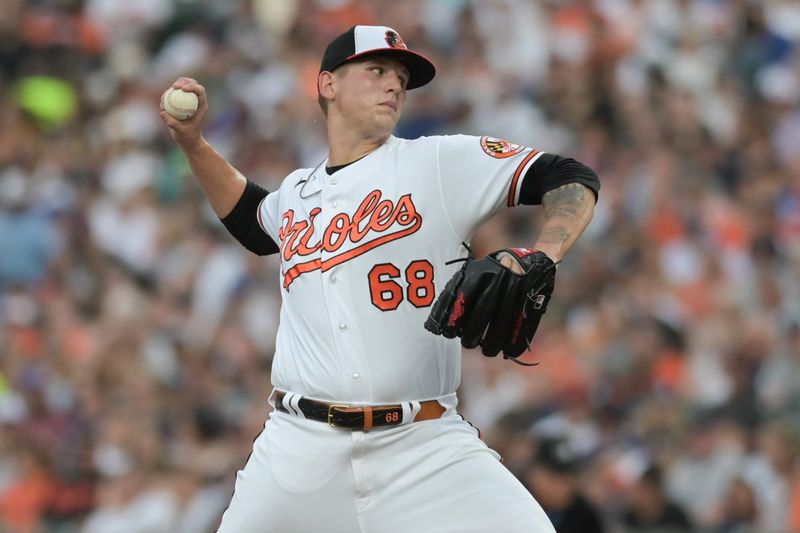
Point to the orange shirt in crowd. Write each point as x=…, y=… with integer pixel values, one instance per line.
x=23, y=504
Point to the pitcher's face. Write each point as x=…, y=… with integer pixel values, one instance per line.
x=370, y=93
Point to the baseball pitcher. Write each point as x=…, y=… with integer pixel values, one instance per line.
x=379, y=293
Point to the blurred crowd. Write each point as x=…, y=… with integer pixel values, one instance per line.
x=136, y=335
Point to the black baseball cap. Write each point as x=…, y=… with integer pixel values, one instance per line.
x=360, y=41
x=556, y=455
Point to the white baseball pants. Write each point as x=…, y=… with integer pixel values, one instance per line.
x=434, y=476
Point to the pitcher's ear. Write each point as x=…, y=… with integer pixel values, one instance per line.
x=325, y=83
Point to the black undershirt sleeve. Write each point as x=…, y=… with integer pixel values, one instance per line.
x=242, y=222
x=551, y=171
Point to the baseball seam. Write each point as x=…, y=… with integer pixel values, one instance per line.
x=176, y=108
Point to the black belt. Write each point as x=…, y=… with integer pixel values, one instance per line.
x=359, y=417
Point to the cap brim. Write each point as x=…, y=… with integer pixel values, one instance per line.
x=420, y=69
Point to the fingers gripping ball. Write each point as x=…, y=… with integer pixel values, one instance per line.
x=180, y=104
x=488, y=305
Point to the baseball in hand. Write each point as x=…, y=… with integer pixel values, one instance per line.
x=180, y=104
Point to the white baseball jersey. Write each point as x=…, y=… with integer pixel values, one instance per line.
x=363, y=254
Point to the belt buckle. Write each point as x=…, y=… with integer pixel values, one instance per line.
x=331, y=407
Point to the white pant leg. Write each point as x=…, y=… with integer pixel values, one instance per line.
x=298, y=480
x=427, y=477
x=439, y=477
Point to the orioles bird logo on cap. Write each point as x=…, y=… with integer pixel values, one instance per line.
x=395, y=41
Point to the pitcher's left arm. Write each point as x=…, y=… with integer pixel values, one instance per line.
x=568, y=209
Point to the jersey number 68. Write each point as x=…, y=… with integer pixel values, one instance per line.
x=387, y=294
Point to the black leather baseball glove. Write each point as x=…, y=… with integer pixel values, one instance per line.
x=487, y=304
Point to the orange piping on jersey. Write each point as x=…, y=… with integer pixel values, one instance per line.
x=512, y=191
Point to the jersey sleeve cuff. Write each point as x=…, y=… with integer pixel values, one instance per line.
x=519, y=176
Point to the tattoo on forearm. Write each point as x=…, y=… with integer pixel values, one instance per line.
x=567, y=200
x=555, y=235
x=570, y=204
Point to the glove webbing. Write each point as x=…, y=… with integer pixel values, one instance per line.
x=524, y=314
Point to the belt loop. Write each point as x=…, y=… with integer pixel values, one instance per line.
x=410, y=410
x=415, y=409
x=406, y=412
x=295, y=403
x=284, y=403
x=367, y=418
x=287, y=403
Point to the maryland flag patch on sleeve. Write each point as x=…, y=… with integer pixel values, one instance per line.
x=499, y=148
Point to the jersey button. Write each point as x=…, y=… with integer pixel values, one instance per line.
x=333, y=182
x=356, y=375
x=333, y=205
x=342, y=326
x=333, y=278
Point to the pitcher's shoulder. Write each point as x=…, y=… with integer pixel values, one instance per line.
x=418, y=144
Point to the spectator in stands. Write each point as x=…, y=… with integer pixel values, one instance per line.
x=553, y=480
x=650, y=510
